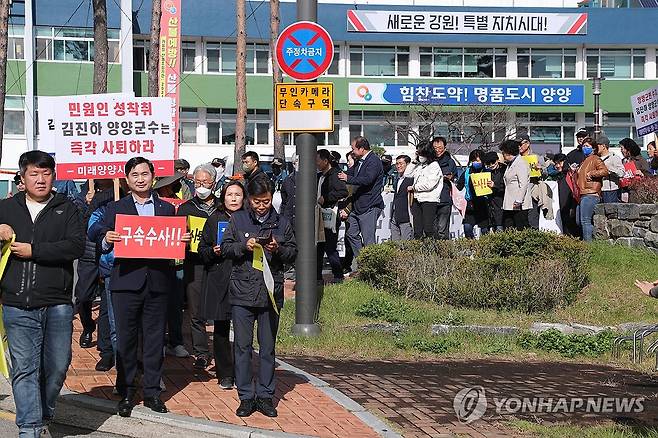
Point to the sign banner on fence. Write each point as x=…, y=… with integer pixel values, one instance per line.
x=522, y=23
x=94, y=135
x=170, y=56
x=645, y=111
x=150, y=237
x=465, y=94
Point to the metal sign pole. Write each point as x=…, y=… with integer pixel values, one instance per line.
x=306, y=291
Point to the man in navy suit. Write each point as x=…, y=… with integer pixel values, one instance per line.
x=366, y=176
x=140, y=289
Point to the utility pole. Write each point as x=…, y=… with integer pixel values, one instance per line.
x=306, y=290
x=596, y=91
x=4, y=39
x=240, y=86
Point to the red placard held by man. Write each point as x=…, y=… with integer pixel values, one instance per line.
x=150, y=237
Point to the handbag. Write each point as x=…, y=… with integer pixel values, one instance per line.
x=329, y=218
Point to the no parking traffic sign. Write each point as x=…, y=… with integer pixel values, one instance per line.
x=304, y=50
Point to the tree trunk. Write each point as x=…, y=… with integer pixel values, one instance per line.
x=100, y=46
x=277, y=76
x=240, y=86
x=154, y=54
x=4, y=28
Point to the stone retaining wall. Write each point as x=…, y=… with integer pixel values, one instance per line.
x=633, y=225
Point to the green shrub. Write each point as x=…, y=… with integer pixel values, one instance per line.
x=567, y=345
x=529, y=271
x=381, y=307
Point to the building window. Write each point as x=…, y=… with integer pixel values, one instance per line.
x=333, y=68
x=188, y=57
x=141, y=51
x=189, y=120
x=379, y=61
x=548, y=128
x=615, y=63
x=379, y=127
x=73, y=44
x=221, y=126
x=468, y=63
x=616, y=126
x=222, y=58
x=14, y=116
x=15, y=43
x=546, y=63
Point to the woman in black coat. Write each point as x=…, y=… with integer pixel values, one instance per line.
x=217, y=271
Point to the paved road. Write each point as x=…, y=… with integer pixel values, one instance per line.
x=8, y=429
x=417, y=397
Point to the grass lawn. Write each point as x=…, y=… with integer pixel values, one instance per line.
x=610, y=299
x=568, y=431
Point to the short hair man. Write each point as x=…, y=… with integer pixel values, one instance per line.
x=367, y=203
x=449, y=170
x=37, y=289
x=400, y=223
x=251, y=166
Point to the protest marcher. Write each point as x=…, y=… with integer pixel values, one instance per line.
x=344, y=210
x=400, y=223
x=67, y=188
x=279, y=173
x=537, y=165
x=215, y=303
x=288, y=189
x=648, y=288
x=202, y=205
x=220, y=178
x=652, y=153
x=330, y=191
x=390, y=175
x=249, y=297
x=575, y=157
x=590, y=176
x=566, y=198
x=366, y=177
x=449, y=170
x=497, y=186
x=251, y=167
x=186, y=191
x=633, y=154
x=426, y=189
x=140, y=288
x=18, y=182
x=517, y=201
x=37, y=288
x=610, y=190
x=477, y=207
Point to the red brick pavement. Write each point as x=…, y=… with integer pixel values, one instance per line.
x=303, y=408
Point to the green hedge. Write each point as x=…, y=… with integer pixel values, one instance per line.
x=528, y=271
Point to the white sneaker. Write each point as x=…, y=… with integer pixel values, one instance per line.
x=177, y=351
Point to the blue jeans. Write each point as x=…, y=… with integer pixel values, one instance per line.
x=584, y=213
x=470, y=233
x=40, y=350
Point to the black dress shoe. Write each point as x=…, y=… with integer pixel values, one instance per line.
x=265, y=407
x=201, y=363
x=85, y=339
x=105, y=364
x=125, y=407
x=246, y=408
x=155, y=404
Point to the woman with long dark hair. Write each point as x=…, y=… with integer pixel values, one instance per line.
x=214, y=303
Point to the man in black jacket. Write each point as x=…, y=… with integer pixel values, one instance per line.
x=37, y=288
x=449, y=170
x=367, y=204
x=330, y=191
x=401, y=228
x=140, y=288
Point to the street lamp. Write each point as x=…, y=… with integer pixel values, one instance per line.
x=596, y=91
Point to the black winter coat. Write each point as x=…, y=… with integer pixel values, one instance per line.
x=288, y=188
x=477, y=209
x=214, y=303
x=247, y=287
x=332, y=189
x=57, y=237
x=193, y=208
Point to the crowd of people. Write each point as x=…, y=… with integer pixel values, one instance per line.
x=51, y=224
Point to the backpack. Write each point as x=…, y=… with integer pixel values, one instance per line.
x=572, y=182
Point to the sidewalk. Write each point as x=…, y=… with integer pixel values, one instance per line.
x=304, y=408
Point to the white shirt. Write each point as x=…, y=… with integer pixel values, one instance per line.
x=35, y=207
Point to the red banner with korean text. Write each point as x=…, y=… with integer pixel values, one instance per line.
x=170, y=59
x=150, y=237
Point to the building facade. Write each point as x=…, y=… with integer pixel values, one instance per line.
x=383, y=48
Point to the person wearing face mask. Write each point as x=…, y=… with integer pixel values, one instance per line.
x=251, y=167
x=202, y=205
x=566, y=199
x=517, y=200
x=215, y=303
x=538, y=165
x=220, y=178
x=497, y=186
x=610, y=190
x=477, y=208
x=279, y=173
x=589, y=176
x=426, y=189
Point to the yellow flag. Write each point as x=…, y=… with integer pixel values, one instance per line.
x=4, y=344
x=533, y=162
x=480, y=181
x=195, y=225
x=260, y=263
